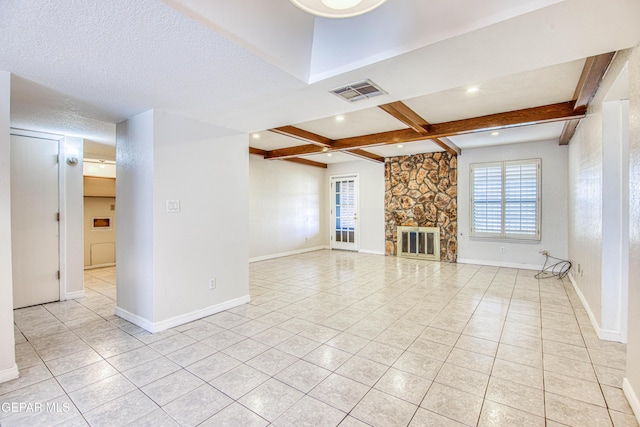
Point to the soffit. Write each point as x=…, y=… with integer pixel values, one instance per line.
x=313, y=48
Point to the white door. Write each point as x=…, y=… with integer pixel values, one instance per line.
x=34, y=221
x=344, y=212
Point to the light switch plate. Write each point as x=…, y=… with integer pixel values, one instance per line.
x=173, y=206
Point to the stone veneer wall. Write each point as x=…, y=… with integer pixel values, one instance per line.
x=422, y=191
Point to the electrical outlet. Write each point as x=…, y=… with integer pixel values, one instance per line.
x=212, y=283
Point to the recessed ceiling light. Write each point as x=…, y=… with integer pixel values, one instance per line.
x=340, y=118
x=496, y=133
x=473, y=89
x=325, y=149
x=337, y=8
x=400, y=145
x=256, y=136
x=329, y=155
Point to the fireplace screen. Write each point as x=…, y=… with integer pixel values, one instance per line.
x=419, y=242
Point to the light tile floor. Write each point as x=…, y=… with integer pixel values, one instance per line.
x=330, y=338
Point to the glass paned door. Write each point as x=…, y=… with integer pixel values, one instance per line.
x=344, y=216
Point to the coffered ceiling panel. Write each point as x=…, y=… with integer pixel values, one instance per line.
x=362, y=122
x=541, y=132
x=266, y=140
x=329, y=158
x=543, y=86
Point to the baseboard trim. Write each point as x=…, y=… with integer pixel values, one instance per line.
x=499, y=264
x=585, y=304
x=632, y=397
x=284, y=254
x=135, y=319
x=608, y=335
x=75, y=294
x=9, y=374
x=154, y=327
x=603, y=334
x=366, y=251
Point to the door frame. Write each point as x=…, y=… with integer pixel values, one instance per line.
x=63, y=227
x=332, y=204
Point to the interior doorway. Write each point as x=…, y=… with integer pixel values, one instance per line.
x=99, y=213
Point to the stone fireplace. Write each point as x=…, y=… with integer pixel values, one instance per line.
x=421, y=191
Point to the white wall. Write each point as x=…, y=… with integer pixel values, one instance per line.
x=165, y=260
x=288, y=210
x=207, y=169
x=71, y=219
x=134, y=211
x=8, y=368
x=632, y=381
x=598, y=207
x=371, y=199
x=289, y=206
x=585, y=208
x=517, y=253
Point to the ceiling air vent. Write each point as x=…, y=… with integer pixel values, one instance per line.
x=358, y=91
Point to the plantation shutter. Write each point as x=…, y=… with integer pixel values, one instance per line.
x=521, y=199
x=505, y=199
x=487, y=198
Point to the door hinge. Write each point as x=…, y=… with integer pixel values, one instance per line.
x=58, y=216
x=58, y=274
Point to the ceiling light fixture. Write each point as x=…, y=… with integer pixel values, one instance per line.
x=495, y=133
x=329, y=155
x=400, y=145
x=473, y=89
x=340, y=118
x=337, y=8
x=325, y=149
x=256, y=136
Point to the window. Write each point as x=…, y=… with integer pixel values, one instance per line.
x=505, y=199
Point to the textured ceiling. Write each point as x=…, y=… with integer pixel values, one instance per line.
x=81, y=66
x=123, y=57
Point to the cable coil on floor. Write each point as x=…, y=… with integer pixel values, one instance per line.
x=557, y=267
